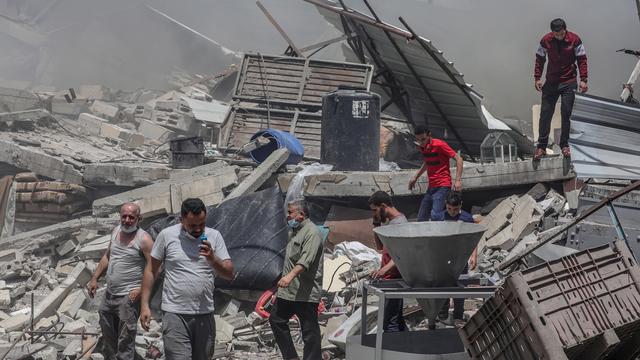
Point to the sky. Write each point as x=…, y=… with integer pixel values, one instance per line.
x=123, y=44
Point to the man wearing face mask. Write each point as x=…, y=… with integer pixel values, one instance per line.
x=192, y=255
x=384, y=213
x=563, y=49
x=300, y=285
x=124, y=261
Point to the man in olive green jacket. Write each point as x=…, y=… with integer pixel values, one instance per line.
x=300, y=285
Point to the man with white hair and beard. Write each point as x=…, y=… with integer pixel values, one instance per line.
x=124, y=262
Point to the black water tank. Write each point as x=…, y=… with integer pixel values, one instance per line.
x=351, y=130
x=187, y=153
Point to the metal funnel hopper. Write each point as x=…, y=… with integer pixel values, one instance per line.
x=430, y=254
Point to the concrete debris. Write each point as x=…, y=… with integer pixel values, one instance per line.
x=74, y=157
x=165, y=197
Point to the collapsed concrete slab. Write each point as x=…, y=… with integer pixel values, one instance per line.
x=124, y=174
x=165, y=197
x=254, y=180
x=477, y=177
x=152, y=131
x=17, y=100
x=47, y=307
x=52, y=235
x=33, y=159
x=90, y=124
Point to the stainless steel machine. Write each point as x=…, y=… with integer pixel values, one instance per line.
x=430, y=256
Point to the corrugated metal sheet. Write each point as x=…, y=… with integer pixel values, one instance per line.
x=296, y=81
x=243, y=122
x=605, y=138
x=437, y=93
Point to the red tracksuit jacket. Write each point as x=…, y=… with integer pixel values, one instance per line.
x=562, y=55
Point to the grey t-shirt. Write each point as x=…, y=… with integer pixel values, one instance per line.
x=188, y=283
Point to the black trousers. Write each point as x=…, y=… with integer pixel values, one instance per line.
x=550, y=95
x=307, y=313
x=393, y=319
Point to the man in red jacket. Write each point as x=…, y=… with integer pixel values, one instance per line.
x=564, y=49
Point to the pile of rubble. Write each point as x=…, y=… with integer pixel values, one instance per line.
x=519, y=222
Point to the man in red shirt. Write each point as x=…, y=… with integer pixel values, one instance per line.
x=563, y=49
x=436, y=154
x=384, y=213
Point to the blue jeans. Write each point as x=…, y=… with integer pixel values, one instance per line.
x=432, y=203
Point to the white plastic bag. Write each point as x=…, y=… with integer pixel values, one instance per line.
x=357, y=252
x=296, y=188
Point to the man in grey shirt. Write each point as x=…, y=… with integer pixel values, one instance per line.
x=124, y=261
x=193, y=255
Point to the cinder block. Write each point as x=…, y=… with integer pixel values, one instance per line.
x=72, y=303
x=90, y=124
x=153, y=131
x=104, y=109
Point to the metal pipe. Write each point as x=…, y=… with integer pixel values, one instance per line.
x=286, y=37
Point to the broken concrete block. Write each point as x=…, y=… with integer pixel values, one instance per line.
x=499, y=217
x=72, y=303
x=89, y=317
x=60, y=106
x=238, y=321
x=124, y=174
x=224, y=330
x=103, y=109
x=5, y=299
x=175, y=115
x=538, y=191
x=526, y=217
x=49, y=353
x=503, y=239
x=3, y=284
x=205, y=182
x=18, y=291
x=76, y=326
x=130, y=138
x=35, y=279
x=252, y=182
x=249, y=346
x=152, y=131
x=73, y=349
x=66, y=247
x=33, y=159
x=556, y=203
x=78, y=277
x=90, y=124
x=21, y=350
x=231, y=308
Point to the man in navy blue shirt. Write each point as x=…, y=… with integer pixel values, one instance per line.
x=454, y=212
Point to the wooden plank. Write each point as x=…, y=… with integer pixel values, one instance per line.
x=275, y=72
x=320, y=75
x=256, y=77
x=270, y=84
